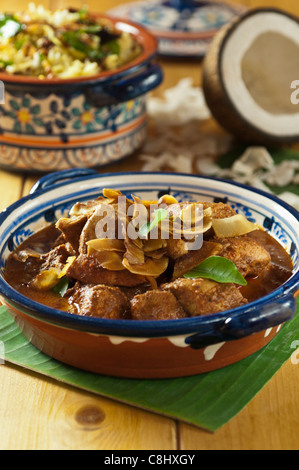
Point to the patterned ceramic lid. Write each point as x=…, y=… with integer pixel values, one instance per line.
x=184, y=28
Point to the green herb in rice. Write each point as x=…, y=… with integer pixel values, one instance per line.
x=64, y=43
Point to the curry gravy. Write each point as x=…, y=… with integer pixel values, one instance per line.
x=279, y=272
x=19, y=273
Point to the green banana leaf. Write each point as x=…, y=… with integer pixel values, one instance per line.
x=208, y=400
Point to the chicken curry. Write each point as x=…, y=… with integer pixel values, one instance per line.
x=72, y=266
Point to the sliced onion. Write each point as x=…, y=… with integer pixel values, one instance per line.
x=199, y=228
x=233, y=226
x=146, y=203
x=155, y=248
x=106, y=244
x=138, y=212
x=26, y=253
x=87, y=208
x=134, y=254
x=138, y=242
x=158, y=254
x=174, y=211
x=150, y=267
x=152, y=282
x=109, y=260
x=190, y=215
x=112, y=194
x=46, y=280
x=154, y=244
x=167, y=199
x=68, y=263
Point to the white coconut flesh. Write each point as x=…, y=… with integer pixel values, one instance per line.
x=258, y=64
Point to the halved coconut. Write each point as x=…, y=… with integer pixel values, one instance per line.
x=248, y=74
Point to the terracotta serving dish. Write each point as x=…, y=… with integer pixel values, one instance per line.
x=148, y=349
x=55, y=124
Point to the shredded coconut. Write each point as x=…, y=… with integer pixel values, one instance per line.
x=256, y=168
x=181, y=103
x=253, y=159
x=246, y=170
x=178, y=139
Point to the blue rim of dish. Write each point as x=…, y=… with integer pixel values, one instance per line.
x=140, y=328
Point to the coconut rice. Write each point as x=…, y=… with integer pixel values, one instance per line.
x=65, y=43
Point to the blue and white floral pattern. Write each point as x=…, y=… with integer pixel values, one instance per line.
x=59, y=132
x=181, y=30
x=64, y=116
x=164, y=16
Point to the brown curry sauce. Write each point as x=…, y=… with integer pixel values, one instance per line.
x=19, y=274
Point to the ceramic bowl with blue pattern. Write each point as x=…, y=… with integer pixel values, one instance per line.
x=184, y=28
x=55, y=124
x=148, y=349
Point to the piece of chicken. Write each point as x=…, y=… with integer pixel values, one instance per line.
x=71, y=228
x=87, y=269
x=98, y=301
x=202, y=296
x=156, y=305
x=250, y=258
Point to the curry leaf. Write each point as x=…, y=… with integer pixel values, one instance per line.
x=19, y=43
x=62, y=286
x=113, y=47
x=219, y=269
x=91, y=29
x=160, y=214
x=83, y=12
x=72, y=38
x=5, y=63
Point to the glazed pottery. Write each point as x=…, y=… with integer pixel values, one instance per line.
x=183, y=28
x=56, y=124
x=148, y=349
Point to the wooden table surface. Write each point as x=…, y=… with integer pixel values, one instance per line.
x=38, y=413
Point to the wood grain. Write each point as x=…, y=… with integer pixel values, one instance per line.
x=38, y=413
x=11, y=185
x=269, y=422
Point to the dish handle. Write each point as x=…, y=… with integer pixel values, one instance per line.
x=51, y=179
x=127, y=89
x=245, y=323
